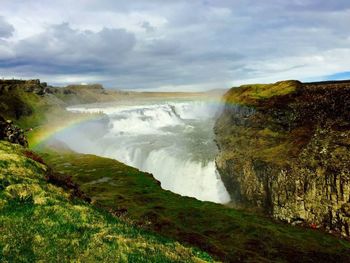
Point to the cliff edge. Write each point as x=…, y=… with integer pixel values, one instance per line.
x=285, y=149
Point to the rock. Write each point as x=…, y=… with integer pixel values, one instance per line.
x=12, y=133
x=68, y=91
x=287, y=152
x=30, y=86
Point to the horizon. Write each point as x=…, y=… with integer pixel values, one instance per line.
x=166, y=46
x=141, y=90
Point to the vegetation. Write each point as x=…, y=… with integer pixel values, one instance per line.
x=226, y=233
x=42, y=222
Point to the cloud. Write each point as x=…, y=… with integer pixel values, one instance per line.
x=63, y=49
x=148, y=27
x=6, y=29
x=319, y=5
x=157, y=44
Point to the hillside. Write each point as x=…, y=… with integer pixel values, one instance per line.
x=42, y=222
x=285, y=149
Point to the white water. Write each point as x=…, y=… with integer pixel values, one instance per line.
x=172, y=140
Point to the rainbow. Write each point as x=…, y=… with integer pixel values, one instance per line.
x=42, y=134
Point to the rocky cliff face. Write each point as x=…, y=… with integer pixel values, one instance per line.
x=285, y=149
x=25, y=98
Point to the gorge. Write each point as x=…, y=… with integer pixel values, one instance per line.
x=284, y=147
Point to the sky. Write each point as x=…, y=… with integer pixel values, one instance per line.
x=174, y=45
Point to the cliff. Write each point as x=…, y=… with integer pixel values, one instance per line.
x=285, y=149
x=38, y=108
x=22, y=98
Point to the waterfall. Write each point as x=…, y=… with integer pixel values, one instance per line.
x=173, y=140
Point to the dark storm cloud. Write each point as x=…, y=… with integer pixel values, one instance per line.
x=169, y=44
x=61, y=46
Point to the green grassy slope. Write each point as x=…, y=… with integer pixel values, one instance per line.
x=228, y=234
x=42, y=222
x=257, y=94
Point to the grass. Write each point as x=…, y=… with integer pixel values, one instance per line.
x=44, y=223
x=256, y=93
x=227, y=234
